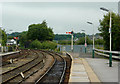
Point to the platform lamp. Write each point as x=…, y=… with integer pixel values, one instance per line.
x=110, y=25
x=93, y=40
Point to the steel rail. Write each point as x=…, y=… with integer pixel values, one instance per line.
x=46, y=71
x=31, y=72
x=63, y=73
x=19, y=67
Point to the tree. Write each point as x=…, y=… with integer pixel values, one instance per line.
x=99, y=42
x=40, y=32
x=81, y=41
x=104, y=29
x=23, y=38
x=3, y=38
x=0, y=36
x=10, y=37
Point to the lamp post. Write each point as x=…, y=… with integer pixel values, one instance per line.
x=93, y=39
x=85, y=40
x=110, y=25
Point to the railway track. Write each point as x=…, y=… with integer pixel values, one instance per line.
x=55, y=73
x=19, y=55
x=15, y=75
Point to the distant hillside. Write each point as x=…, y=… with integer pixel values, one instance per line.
x=62, y=36
x=14, y=34
x=76, y=35
x=68, y=37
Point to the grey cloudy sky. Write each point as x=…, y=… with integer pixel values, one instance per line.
x=61, y=16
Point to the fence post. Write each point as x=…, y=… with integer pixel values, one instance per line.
x=119, y=55
x=110, y=59
x=85, y=49
x=93, y=53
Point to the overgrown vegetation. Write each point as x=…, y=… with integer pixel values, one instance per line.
x=36, y=44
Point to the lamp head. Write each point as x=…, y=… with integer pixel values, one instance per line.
x=104, y=9
x=89, y=22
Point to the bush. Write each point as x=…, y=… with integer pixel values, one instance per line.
x=81, y=41
x=64, y=42
x=99, y=41
x=36, y=44
x=49, y=45
x=10, y=48
x=99, y=47
x=44, y=45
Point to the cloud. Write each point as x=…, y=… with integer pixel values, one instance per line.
x=59, y=1
x=61, y=17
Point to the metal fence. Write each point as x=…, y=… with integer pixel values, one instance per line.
x=76, y=48
x=109, y=54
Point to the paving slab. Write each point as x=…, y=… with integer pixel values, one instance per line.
x=81, y=72
x=78, y=73
x=100, y=66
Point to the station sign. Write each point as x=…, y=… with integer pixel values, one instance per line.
x=69, y=32
x=85, y=44
x=16, y=38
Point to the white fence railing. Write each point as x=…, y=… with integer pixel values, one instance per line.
x=115, y=52
x=98, y=51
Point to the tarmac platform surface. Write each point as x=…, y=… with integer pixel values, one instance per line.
x=90, y=70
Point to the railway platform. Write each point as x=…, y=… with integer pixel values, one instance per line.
x=8, y=53
x=81, y=71
x=86, y=69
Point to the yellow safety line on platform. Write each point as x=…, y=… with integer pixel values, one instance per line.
x=92, y=76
